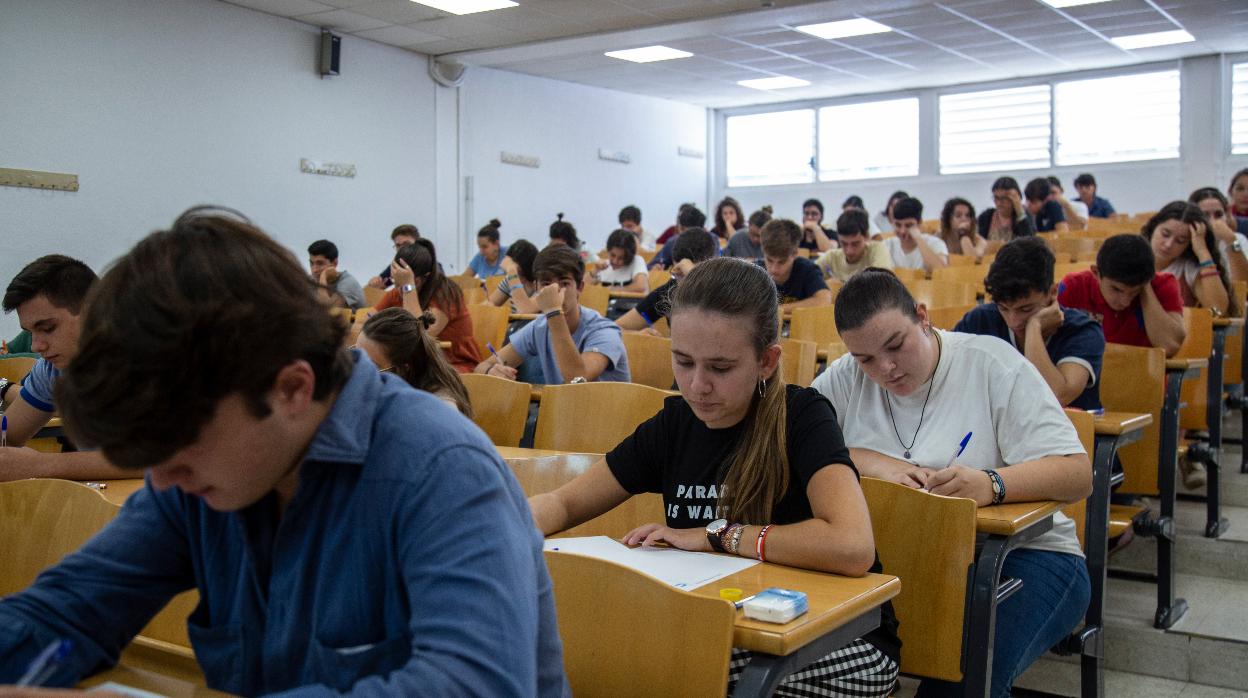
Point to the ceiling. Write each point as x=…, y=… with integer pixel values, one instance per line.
x=932, y=43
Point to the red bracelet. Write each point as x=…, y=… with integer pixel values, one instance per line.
x=761, y=543
x=1209, y=271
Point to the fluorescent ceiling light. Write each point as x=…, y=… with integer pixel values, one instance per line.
x=844, y=28
x=1070, y=3
x=776, y=83
x=1134, y=41
x=648, y=54
x=466, y=7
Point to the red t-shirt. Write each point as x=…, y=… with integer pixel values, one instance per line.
x=1082, y=290
x=463, y=354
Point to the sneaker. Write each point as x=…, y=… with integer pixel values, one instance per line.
x=1194, y=475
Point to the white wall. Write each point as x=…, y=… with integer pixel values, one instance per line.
x=564, y=125
x=158, y=105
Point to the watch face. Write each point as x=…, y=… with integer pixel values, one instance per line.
x=717, y=526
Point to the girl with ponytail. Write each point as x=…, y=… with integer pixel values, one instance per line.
x=746, y=465
x=399, y=342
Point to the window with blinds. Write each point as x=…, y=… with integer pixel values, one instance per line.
x=1239, y=109
x=770, y=148
x=1117, y=119
x=869, y=140
x=991, y=130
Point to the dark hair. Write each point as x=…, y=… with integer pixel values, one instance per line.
x=405, y=229
x=162, y=332
x=852, y=222
x=523, y=252
x=854, y=201
x=435, y=288
x=1190, y=214
x=816, y=203
x=781, y=237
x=757, y=472
x=625, y=241
x=760, y=217
x=690, y=217
x=946, y=220
x=720, y=226
x=1038, y=189
x=1235, y=178
x=896, y=196
x=872, y=291
x=1022, y=267
x=63, y=280
x=558, y=262
x=1006, y=184
x=908, y=207
x=565, y=231
x=415, y=355
x=1126, y=258
x=490, y=230
x=1087, y=180
x=1054, y=182
x=1210, y=193
x=323, y=248
x=694, y=244
x=630, y=213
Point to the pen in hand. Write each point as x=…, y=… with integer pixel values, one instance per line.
x=46, y=663
x=956, y=452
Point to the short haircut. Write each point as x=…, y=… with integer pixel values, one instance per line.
x=869, y=292
x=523, y=252
x=623, y=240
x=760, y=217
x=1055, y=183
x=490, y=230
x=630, y=213
x=852, y=223
x=894, y=198
x=1038, y=189
x=1006, y=184
x=854, y=201
x=159, y=347
x=558, y=262
x=405, y=229
x=908, y=207
x=1127, y=259
x=63, y=280
x=1085, y=180
x=814, y=202
x=323, y=248
x=694, y=244
x=1022, y=267
x=691, y=217
x=781, y=237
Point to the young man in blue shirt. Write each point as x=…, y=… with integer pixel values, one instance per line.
x=346, y=533
x=1065, y=345
x=1085, y=184
x=574, y=344
x=1048, y=214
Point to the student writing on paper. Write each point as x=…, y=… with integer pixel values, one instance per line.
x=746, y=465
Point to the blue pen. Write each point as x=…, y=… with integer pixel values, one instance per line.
x=4, y=430
x=646, y=318
x=46, y=663
x=961, y=447
x=497, y=358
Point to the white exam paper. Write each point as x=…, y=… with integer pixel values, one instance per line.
x=679, y=568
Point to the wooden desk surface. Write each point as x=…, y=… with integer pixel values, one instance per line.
x=512, y=452
x=834, y=600
x=118, y=491
x=1184, y=364
x=1119, y=423
x=626, y=294
x=151, y=681
x=1009, y=519
x=55, y=423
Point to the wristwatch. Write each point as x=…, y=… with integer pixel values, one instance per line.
x=1236, y=245
x=406, y=289
x=714, y=531
x=4, y=388
x=998, y=486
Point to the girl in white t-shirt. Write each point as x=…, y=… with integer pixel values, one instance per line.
x=1185, y=247
x=906, y=395
x=622, y=268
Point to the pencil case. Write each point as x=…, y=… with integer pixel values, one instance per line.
x=775, y=605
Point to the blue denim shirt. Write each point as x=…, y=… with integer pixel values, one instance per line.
x=407, y=563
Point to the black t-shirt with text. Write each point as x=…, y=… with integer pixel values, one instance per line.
x=805, y=280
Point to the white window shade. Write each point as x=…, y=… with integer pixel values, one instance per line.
x=868, y=140
x=771, y=148
x=1239, y=109
x=995, y=130
x=1117, y=119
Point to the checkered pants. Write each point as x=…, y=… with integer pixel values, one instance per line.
x=858, y=670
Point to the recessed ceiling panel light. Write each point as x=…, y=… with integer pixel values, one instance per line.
x=1134, y=41
x=648, y=54
x=466, y=7
x=1070, y=3
x=844, y=28
x=777, y=83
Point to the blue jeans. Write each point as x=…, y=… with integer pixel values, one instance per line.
x=1051, y=603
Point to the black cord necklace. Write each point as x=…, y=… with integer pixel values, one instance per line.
x=922, y=411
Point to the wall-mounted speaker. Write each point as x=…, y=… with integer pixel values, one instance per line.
x=331, y=52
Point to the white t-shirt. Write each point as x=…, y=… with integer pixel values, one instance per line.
x=1183, y=269
x=1079, y=208
x=984, y=386
x=913, y=259
x=623, y=275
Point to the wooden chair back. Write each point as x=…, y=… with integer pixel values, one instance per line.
x=910, y=274
x=640, y=655
x=647, y=255
x=499, y=406
x=373, y=296
x=489, y=326
x=958, y=260
x=42, y=521
x=1086, y=427
x=649, y=359
x=1232, y=367
x=593, y=417
x=933, y=568
x=798, y=359
x=658, y=277
x=1198, y=345
x=941, y=294
x=547, y=473
x=930, y=226
x=970, y=275
x=476, y=296
x=15, y=369
x=596, y=297
x=342, y=315
x=1133, y=379
x=1067, y=249
x=466, y=281
x=817, y=324
x=946, y=318
x=1060, y=270
x=835, y=351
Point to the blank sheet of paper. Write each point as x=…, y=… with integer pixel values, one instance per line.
x=680, y=568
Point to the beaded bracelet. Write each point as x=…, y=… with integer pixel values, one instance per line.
x=1206, y=263
x=760, y=545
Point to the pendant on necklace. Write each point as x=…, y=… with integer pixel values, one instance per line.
x=907, y=455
